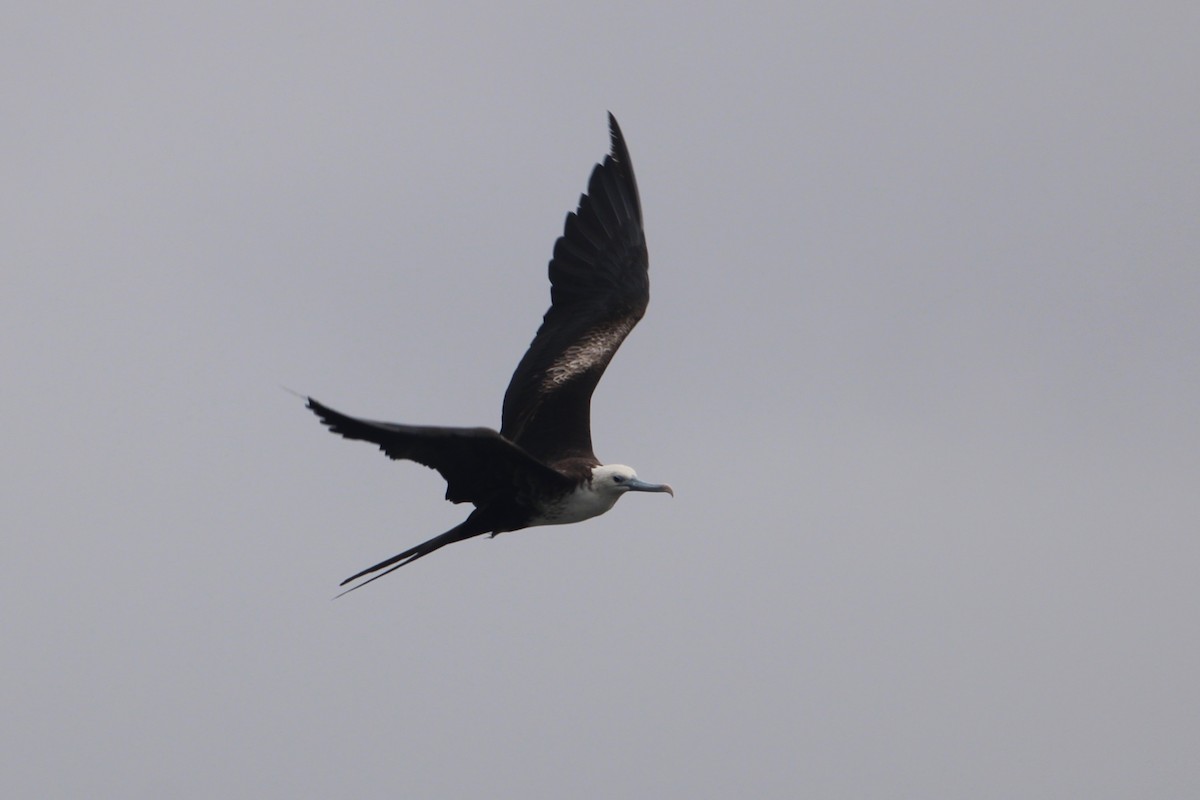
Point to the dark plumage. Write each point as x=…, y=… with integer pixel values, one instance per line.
x=539, y=469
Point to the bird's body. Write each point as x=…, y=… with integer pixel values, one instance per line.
x=539, y=468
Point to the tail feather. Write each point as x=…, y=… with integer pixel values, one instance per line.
x=466, y=530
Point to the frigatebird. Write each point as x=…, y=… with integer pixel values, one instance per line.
x=539, y=468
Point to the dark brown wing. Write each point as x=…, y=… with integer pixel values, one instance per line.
x=477, y=463
x=599, y=290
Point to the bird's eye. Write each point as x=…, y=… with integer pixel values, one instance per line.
x=618, y=478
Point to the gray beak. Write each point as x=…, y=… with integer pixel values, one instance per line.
x=636, y=485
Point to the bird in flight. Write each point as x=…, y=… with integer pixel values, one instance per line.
x=539, y=468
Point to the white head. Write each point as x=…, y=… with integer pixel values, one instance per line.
x=598, y=495
x=617, y=479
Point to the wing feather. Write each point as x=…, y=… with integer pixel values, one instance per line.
x=477, y=463
x=599, y=289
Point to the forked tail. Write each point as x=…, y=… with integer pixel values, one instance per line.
x=465, y=530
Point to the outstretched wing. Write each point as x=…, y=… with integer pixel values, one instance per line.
x=477, y=463
x=599, y=291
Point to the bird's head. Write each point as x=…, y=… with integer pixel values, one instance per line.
x=617, y=479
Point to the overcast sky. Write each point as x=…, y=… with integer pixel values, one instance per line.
x=920, y=362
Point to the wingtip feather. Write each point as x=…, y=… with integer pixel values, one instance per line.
x=619, y=151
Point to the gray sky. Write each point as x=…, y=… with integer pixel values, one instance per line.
x=921, y=363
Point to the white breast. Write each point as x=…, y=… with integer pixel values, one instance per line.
x=583, y=503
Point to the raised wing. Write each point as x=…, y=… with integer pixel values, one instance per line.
x=599, y=290
x=477, y=463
